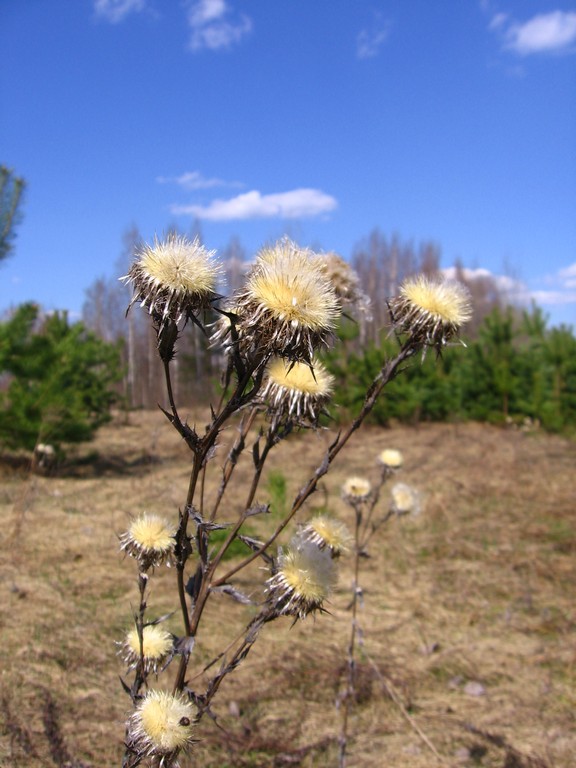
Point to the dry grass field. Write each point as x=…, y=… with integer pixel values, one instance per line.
x=469, y=622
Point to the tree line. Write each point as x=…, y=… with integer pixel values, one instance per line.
x=59, y=380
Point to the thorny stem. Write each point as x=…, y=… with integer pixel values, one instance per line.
x=388, y=372
x=351, y=676
x=201, y=453
x=231, y=461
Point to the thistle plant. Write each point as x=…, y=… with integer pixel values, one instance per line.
x=363, y=497
x=270, y=335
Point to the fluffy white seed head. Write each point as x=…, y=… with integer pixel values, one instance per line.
x=305, y=577
x=162, y=725
x=288, y=306
x=432, y=310
x=150, y=539
x=356, y=489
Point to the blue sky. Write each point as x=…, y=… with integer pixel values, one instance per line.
x=453, y=122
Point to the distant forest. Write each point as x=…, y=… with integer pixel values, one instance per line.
x=515, y=369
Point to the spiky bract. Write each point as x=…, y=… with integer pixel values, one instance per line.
x=150, y=539
x=297, y=390
x=327, y=532
x=157, y=644
x=305, y=577
x=356, y=489
x=288, y=306
x=431, y=310
x=161, y=726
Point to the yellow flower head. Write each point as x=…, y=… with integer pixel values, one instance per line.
x=297, y=390
x=356, y=489
x=157, y=644
x=288, y=306
x=150, y=539
x=405, y=499
x=305, y=577
x=431, y=310
x=327, y=532
x=162, y=725
x=174, y=278
x=391, y=458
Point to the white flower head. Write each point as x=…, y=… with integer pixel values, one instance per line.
x=161, y=726
x=297, y=390
x=305, y=577
x=150, y=539
x=157, y=645
x=405, y=499
x=288, y=306
x=327, y=532
x=391, y=458
x=431, y=310
x=356, y=489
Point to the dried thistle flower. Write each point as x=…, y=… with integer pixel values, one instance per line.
x=157, y=644
x=161, y=726
x=431, y=310
x=150, y=539
x=305, y=577
x=391, y=458
x=174, y=279
x=288, y=306
x=327, y=532
x=346, y=284
x=297, y=390
x=405, y=499
x=356, y=489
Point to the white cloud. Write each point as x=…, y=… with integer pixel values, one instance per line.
x=195, y=180
x=369, y=41
x=515, y=290
x=568, y=276
x=554, y=298
x=553, y=32
x=211, y=26
x=561, y=290
x=295, y=204
x=115, y=11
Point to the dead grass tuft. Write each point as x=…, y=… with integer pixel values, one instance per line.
x=468, y=617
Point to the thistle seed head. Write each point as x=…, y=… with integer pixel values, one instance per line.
x=405, y=499
x=157, y=644
x=161, y=726
x=297, y=390
x=150, y=539
x=288, y=306
x=432, y=311
x=356, y=489
x=327, y=532
x=346, y=284
x=305, y=577
x=174, y=278
x=391, y=458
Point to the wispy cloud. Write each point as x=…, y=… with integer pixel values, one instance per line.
x=555, y=290
x=515, y=290
x=213, y=25
x=553, y=32
x=115, y=11
x=195, y=180
x=561, y=288
x=295, y=204
x=371, y=39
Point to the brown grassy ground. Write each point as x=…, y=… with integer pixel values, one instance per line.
x=468, y=619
